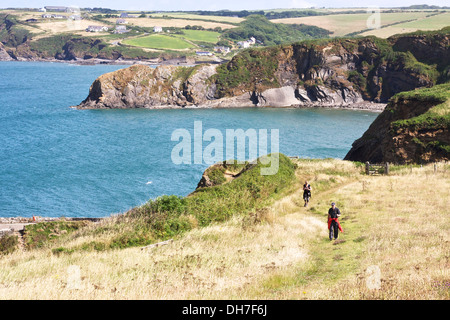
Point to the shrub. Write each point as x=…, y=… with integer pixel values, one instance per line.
x=8, y=244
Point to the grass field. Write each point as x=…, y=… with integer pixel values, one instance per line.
x=427, y=23
x=159, y=41
x=178, y=23
x=342, y=24
x=394, y=246
x=199, y=35
x=183, y=15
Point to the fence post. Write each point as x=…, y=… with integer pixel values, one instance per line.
x=367, y=168
x=387, y=168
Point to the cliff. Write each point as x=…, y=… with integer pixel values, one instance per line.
x=414, y=128
x=333, y=73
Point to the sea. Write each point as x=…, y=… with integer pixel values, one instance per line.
x=57, y=161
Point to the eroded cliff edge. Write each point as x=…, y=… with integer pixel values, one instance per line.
x=414, y=128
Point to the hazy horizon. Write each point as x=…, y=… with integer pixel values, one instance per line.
x=215, y=5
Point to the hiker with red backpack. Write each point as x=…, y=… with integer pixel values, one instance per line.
x=333, y=223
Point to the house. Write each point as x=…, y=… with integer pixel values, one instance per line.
x=157, y=29
x=46, y=16
x=221, y=49
x=243, y=44
x=121, y=29
x=124, y=15
x=56, y=8
x=203, y=53
x=42, y=10
x=72, y=9
x=247, y=43
x=58, y=16
x=96, y=28
x=121, y=21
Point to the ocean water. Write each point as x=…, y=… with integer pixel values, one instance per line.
x=58, y=161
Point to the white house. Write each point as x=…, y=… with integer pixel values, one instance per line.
x=56, y=8
x=203, y=53
x=221, y=49
x=157, y=29
x=121, y=29
x=247, y=43
x=244, y=44
x=121, y=21
x=96, y=28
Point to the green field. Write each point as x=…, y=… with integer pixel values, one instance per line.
x=158, y=41
x=435, y=22
x=199, y=35
x=430, y=23
x=342, y=24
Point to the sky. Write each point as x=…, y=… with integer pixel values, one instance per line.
x=186, y=5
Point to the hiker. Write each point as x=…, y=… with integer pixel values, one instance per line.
x=306, y=192
x=333, y=223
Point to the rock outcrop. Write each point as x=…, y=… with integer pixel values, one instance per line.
x=414, y=128
x=332, y=73
x=4, y=56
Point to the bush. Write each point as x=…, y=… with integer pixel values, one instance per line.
x=8, y=244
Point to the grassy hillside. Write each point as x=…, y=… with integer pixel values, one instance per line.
x=225, y=28
x=280, y=251
x=170, y=216
x=397, y=22
x=437, y=116
x=270, y=33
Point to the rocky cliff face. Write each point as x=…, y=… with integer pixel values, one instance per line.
x=332, y=73
x=414, y=128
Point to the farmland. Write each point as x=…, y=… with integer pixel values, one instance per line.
x=183, y=33
x=159, y=42
x=344, y=24
x=426, y=23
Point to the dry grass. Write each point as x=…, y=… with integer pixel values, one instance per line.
x=178, y=23
x=395, y=223
x=342, y=24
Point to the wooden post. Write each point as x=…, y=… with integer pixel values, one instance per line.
x=387, y=168
x=367, y=168
x=435, y=167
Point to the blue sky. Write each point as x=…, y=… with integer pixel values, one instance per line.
x=173, y=5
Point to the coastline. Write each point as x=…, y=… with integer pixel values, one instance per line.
x=18, y=220
x=98, y=61
x=358, y=106
x=223, y=103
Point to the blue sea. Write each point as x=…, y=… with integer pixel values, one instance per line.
x=58, y=161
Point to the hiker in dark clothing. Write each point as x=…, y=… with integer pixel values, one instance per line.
x=306, y=192
x=333, y=223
